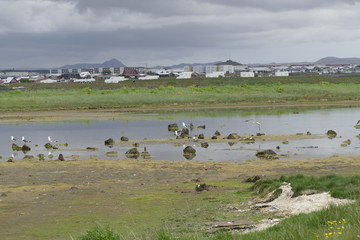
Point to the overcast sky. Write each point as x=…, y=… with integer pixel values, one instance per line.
x=52, y=33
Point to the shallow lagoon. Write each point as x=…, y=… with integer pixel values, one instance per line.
x=78, y=135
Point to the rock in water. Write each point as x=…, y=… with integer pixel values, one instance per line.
x=189, y=150
x=132, y=153
x=25, y=148
x=109, y=142
x=331, y=133
x=204, y=145
x=124, y=139
x=173, y=127
x=268, y=154
x=16, y=147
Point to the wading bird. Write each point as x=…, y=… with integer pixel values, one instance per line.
x=255, y=122
x=13, y=139
x=24, y=139
x=177, y=133
x=50, y=140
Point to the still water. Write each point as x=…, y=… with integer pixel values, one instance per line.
x=78, y=135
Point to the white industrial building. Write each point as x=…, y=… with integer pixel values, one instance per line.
x=184, y=75
x=247, y=74
x=215, y=74
x=281, y=73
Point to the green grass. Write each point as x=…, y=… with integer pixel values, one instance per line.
x=335, y=222
x=185, y=92
x=338, y=186
x=90, y=97
x=101, y=233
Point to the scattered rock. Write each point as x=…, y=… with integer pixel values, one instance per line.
x=201, y=136
x=173, y=127
x=16, y=147
x=3, y=195
x=233, y=136
x=50, y=146
x=25, y=148
x=308, y=133
x=214, y=137
x=109, y=142
x=331, y=133
x=41, y=157
x=132, y=153
x=217, y=133
x=124, y=139
x=268, y=154
x=204, y=145
x=202, y=187
x=189, y=150
x=61, y=157
x=184, y=133
x=201, y=127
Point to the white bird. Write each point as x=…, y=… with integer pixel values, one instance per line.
x=13, y=139
x=24, y=139
x=50, y=140
x=177, y=133
x=184, y=125
x=255, y=122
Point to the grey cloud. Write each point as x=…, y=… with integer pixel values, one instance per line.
x=154, y=8
x=282, y=5
x=186, y=7
x=53, y=48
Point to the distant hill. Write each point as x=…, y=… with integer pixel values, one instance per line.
x=182, y=65
x=335, y=60
x=107, y=64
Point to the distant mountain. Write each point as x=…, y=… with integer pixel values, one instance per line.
x=107, y=64
x=182, y=65
x=335, y=60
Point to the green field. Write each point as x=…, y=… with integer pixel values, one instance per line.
x=181, y=93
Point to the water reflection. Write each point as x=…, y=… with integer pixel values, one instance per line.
x=86, y=139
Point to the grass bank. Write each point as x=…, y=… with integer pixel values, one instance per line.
x=335, y=222
x=162, y=96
